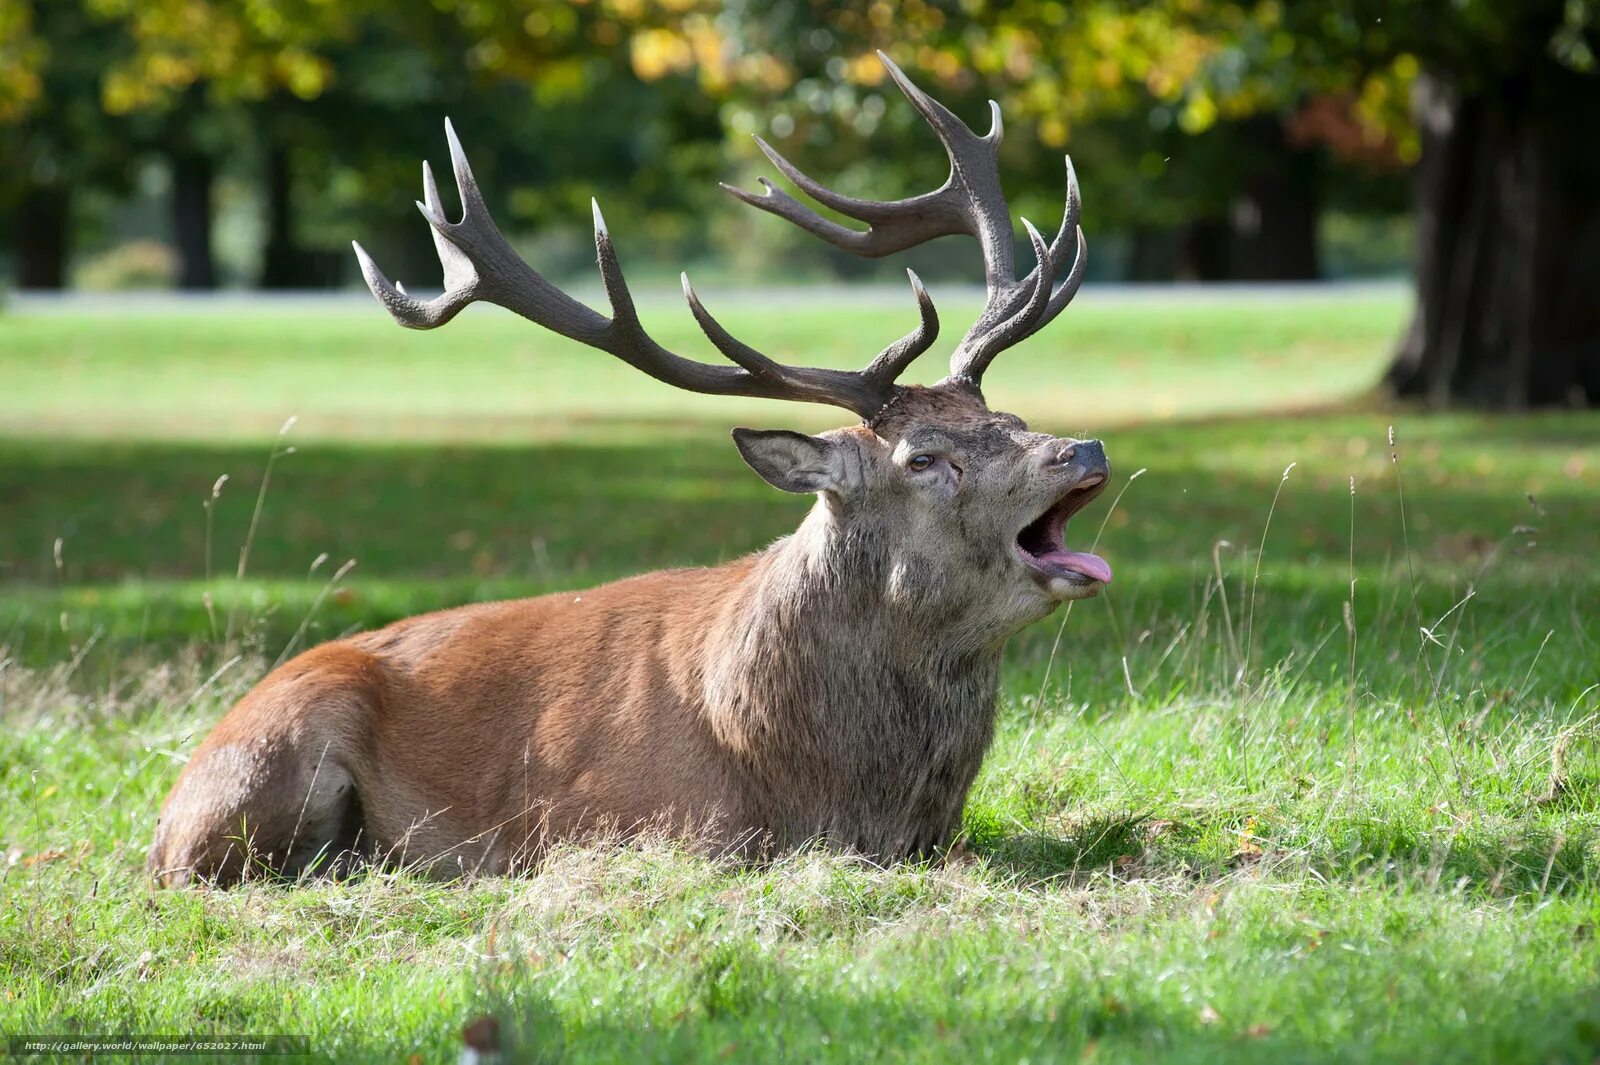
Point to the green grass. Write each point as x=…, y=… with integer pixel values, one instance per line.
x=1261, y=818
x=235, y=375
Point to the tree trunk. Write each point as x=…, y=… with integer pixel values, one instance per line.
x=281, y=259
x=1152, y=254
x=192, y=175
x=43, y=225
x=1273, y=220
x=1508, y=245
x=1203, y=250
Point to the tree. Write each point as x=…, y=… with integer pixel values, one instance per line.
x=1504, y=139
x=190, y=62
x=1508, y=227
x=350, y=95
x=54, y=135
x=1504, y=131
x=1198, y=185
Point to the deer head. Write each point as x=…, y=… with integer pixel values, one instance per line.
x=956, y=510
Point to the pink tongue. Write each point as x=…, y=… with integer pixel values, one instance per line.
x=1091, y=566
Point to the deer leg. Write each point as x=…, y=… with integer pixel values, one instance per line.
x=272, y=790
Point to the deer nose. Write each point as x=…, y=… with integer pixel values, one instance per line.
x=1090, y=454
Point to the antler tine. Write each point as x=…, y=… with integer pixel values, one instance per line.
x=1000, y=329
x=895, y=225
x=973, y=187
x=1069, y=226
x=866, y=391
x=624, y=317
x=878, y=240
x=970, y=201
x=872, y=211
x=403, y=307
x=736, y=350
x=471, y=197
x=893, y=360
x=1067, y=289
x=480, y=266
x=1020, y=314
x=1080, y=253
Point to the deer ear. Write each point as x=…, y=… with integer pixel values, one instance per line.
x=792, y=462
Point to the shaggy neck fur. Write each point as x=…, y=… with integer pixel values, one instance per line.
x=852, y=715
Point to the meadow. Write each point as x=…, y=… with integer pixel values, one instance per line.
x=1317, y=779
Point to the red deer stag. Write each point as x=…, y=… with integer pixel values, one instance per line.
x=839, y=685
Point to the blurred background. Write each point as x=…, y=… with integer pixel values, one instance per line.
x=1449, y=145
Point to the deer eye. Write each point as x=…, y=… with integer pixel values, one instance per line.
x=920, y=462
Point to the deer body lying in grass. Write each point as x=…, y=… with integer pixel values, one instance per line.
x=839, y=685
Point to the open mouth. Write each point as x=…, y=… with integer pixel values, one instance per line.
x=1042, y=548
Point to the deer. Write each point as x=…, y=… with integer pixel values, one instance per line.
x=838, y=688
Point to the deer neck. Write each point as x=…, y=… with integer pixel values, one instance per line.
x=848, y=718
x=815, y=637
x=836, y=578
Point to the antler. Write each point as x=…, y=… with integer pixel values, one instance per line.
x=971, y=202
x=480, y=266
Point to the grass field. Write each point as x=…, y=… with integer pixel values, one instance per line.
x=1317, y=779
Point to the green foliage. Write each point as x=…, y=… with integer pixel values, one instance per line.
x=569, y=99
x=1148, y=97
x=239, y=50
x=21, y=54
x=51, y=118
x=349, y=96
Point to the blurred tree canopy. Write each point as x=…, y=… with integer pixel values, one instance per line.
x=326, y=109
x=1494, y=106
x=1213, y=139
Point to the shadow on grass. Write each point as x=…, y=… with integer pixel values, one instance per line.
x=138, y=511
x=646, y=498
x=1496, y=859
x=1534, y=861
x=745, y=1006
x=432, y=527
x=1095, y=845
